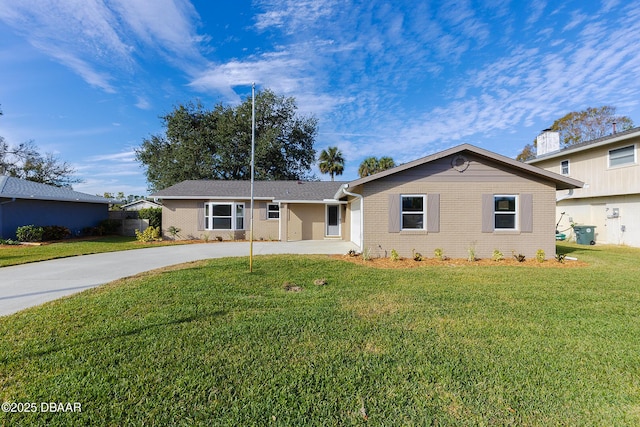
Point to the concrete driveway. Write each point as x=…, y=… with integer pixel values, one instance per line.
x=27, y=285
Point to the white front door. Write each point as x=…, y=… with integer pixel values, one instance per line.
x=333, y=220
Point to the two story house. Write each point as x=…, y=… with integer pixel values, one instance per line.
x=610, y=198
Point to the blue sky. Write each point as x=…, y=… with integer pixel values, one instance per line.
x=87, y=79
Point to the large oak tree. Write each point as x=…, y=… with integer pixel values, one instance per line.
x=216, y=144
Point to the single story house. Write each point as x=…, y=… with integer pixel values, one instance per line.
x=461, y=199
x=25, y=202
x=283, y=210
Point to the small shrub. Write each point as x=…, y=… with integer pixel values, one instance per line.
x=497, y=255
x=519, y=257
x=353, y=253
x=148, y=235
x=93, y=231
x=366, y=254
x=560, y=258
x=394, y=255
x=55, y=232
x=109, y=226
x=417, y=256
x=540, y=255
x=174, y=232
x=9, y=242
x=29, y=233
x=471, y=254
x=438, y=253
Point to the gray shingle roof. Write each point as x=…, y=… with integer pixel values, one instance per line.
x=271, y=190
x=11, y=187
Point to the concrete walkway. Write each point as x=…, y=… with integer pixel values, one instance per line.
x=27, y=285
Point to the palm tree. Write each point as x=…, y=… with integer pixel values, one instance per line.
x=331, y=162
x=372, y=165
x=369, y=166
x=385, y=163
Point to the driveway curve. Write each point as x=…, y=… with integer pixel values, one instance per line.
x=28, y=285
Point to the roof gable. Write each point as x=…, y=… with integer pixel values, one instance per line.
x=17, y=188
x=561, y=182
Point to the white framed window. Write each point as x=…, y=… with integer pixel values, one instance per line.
x=412, y=212
x=564, y=167
x=273, y=211
x=224, y=216
x=622, y=156
x=505, y=212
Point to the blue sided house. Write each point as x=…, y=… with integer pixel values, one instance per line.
x=30, y=203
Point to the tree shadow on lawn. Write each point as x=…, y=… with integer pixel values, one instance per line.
x=564, y=250
x=134, y=331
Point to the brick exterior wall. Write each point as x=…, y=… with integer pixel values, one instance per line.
x=460, y=211
x=299, y=221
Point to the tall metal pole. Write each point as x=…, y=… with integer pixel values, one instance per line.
x=253, y=148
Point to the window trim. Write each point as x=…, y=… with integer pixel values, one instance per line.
x=234, y=217
x=562, y=172
x=276, y=211
x=515, y=213
x=423, y=212
x=634, y=161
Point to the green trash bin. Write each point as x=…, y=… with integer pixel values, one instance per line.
x=585, y=234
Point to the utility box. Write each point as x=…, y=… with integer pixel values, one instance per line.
x=585, y=234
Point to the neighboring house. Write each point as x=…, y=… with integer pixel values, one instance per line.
x=610, y=199
x=30, y=203
x=461, y=199
x=140, y=204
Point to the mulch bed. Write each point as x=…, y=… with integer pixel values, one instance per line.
x=458, y=262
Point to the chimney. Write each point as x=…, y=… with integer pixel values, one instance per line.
x=548, y=141
x=614, y=128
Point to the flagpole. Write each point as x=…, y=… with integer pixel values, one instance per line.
x=253, y=146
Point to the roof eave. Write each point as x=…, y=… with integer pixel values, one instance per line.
x=52, y=199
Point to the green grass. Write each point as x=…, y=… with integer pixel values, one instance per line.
x=212, y=344
x=22, y=254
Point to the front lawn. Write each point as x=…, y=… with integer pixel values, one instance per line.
x=22, y=254
x=213, y=344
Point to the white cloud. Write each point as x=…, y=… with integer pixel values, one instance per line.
x=100, y=40
x=292, y=16
x=143, y=103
